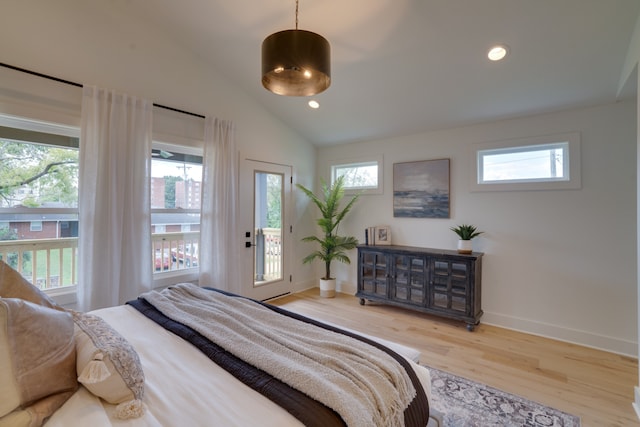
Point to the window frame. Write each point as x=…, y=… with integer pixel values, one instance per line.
x=571, y=163
x=188, y=148
x=55, y=134
x=360, y=161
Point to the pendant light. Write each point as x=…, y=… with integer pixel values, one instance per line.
x=296, y=62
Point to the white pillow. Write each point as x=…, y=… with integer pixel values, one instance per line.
x=107, y=365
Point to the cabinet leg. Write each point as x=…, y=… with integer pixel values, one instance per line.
x=471, y=326
x=361, y=301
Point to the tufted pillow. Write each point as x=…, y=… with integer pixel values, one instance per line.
x=37, y=361
x=13, y=285
x=107, y=365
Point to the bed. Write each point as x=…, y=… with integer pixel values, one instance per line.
x=181, y=385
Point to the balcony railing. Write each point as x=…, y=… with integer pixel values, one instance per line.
x=53, y=263
x=268, y=262
x=175, y=251
x=47, y=263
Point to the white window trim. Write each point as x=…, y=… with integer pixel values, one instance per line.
x=168, y=278
x=573, y=182
x=39, y=126
x=65, y=295
x=187, y=146
x=365, y=159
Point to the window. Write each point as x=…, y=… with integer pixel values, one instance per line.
x=39, y=201
x=543, y=163
x=360, y=175
x=176, y=175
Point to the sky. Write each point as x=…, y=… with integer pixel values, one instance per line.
x=161, y=168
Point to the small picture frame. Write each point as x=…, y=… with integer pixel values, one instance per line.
x=382, y=235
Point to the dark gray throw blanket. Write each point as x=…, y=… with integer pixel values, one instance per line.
x=364, y=385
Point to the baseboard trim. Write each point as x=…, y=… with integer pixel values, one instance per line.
x=636, y=404
x=347, y=288
x=573, y=336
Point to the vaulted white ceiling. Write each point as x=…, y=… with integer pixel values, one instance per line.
x=407, y=66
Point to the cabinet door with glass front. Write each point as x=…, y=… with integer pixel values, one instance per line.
x=408, y=279
x=451, y=288
x=373, y=273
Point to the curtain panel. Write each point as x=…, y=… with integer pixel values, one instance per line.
x=114, y=187
x=219, y=235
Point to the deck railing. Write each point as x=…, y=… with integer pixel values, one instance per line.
x=175, y=251
x=47, y=263
x=269, y=244
x=53, y=263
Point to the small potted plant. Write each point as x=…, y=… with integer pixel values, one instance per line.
x=465, y=232
x=331, y=246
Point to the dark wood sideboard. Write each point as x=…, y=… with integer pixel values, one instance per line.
x=435, y=281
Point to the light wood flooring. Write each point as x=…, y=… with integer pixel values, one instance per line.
x=595, y=385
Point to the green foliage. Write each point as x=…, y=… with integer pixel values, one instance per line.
x=8, y=234
x=466, y=231
x=274, y=201
x=331, y=246
x=50, y=173
x=12, y=260
x=170, y=191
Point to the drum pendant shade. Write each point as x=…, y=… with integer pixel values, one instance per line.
x=296, y=63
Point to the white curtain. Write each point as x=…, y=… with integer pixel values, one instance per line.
x=114, y=247
x=219, y=257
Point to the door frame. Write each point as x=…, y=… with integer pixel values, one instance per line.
x=248, y=167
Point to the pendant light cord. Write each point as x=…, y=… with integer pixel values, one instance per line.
x=296, y=14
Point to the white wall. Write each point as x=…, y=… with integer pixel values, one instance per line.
x=92, y=43
x=557, y=263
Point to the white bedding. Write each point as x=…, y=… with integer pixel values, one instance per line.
x=182, y=386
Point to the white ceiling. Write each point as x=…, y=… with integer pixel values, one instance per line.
x=407, y=66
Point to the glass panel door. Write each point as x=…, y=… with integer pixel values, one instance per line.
x=268, y=204
x=265, y=191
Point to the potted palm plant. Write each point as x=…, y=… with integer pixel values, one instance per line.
x=331, y=246
x=465, y=232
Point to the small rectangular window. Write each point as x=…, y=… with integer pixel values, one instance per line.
x=546, y=162
x=35, y=226
x=542, y=163
x=360, y=175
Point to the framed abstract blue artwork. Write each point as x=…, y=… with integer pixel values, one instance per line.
x=421, y=189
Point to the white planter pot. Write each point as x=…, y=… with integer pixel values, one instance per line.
x=464, y=246
x=328, y=288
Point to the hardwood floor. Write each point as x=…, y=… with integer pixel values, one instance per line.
x=595, y=385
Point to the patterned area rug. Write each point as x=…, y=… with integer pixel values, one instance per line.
x=466, y=403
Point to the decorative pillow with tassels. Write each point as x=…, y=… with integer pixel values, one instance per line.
x=108, y=366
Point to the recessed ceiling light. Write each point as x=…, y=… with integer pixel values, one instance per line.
x=314, y=104
x=496, y=53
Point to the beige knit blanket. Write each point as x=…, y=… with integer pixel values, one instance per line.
x=363, y=384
